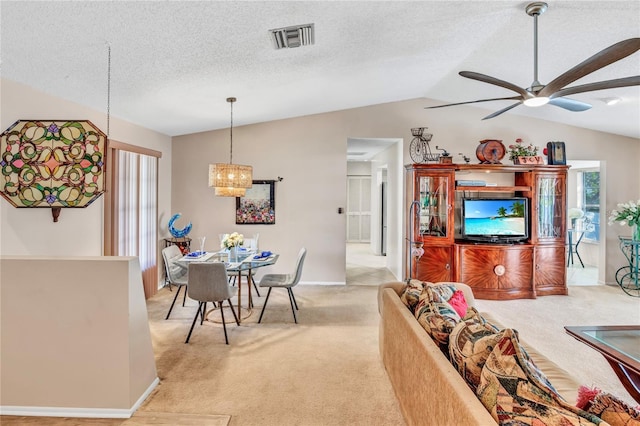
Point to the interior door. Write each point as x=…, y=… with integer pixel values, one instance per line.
x=383, y=218
x=358, y=209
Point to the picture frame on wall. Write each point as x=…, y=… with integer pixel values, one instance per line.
x=258, y=206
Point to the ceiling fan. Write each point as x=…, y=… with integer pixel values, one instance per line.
x=554, y=93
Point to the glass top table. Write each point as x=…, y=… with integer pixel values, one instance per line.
x=245, y=263
x=620, y=345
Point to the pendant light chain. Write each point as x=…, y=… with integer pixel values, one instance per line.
x=231, y=101
x=108, y=89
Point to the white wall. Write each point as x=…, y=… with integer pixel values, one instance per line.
x=390, y=160
x=89, y=355
x=309, y=152
x=79, y=232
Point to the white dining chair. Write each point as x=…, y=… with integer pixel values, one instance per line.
x=176, y=275
x=287, y=281
x=208, y=282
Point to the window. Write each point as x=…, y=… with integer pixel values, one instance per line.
x=589, y=202
x=131, y=208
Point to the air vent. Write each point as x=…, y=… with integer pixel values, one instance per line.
x=296, y=36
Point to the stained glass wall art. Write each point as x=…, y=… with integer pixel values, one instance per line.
x=52, y=163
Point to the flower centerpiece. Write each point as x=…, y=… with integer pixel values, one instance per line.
x=628, y=214
x=520, y=153
x=232, y=240
x=231, y=243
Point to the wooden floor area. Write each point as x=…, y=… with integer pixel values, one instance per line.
x=140, y=418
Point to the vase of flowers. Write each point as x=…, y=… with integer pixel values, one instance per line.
x=231, y=243
x=628, y=214
x=575, y=214
x=520, y=153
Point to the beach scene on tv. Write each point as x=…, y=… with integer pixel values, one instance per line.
x=494, y=217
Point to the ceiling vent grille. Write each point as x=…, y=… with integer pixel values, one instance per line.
x=296, y=36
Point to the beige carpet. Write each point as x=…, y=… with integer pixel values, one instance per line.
x=324, y=371
x=541, y=322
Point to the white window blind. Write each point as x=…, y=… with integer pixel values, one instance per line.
x=133, y=212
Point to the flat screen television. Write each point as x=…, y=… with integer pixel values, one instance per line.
x=499, y=220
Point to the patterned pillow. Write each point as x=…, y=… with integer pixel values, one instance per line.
x=459, y=303
x=437, y=317
x=412, y=293
x=613, y=410
x=440, y=292
x=470, y=343
x=515, y=392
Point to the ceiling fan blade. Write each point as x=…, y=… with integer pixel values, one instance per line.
x=495, y=81
x=474, y=102
x=601, y=85
x=601, y=59
x=570, y=104
x=497, y=113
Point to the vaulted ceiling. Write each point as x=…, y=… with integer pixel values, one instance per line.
x=173, y=64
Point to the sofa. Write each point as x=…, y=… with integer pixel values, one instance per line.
x=429, y=389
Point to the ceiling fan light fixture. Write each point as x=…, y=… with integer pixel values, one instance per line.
x=556, y=91
x=537, y=101
x=611, y=101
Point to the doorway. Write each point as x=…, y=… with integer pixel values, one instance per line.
x=374, y=186
x=586, y=213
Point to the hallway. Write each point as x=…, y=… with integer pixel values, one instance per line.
x=365, y=268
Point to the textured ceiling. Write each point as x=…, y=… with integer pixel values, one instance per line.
x=174, y=63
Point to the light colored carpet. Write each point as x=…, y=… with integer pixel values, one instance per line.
x=541, y=322
x=326, y=370
x=143, y=418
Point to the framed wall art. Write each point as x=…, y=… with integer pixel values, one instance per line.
x=556, y=153
x=258, y=206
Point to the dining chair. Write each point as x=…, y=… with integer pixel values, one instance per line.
x=176, y=275
x=208, y=282
x=249, y=244
x=287, y=281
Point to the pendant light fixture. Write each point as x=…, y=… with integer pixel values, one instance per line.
x=230, y=180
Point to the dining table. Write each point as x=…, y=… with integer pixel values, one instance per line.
x=245, y=262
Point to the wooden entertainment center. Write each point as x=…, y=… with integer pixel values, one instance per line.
x=527, y=269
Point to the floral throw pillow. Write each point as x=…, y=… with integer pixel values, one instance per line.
x=470, y=343
x=516, y=394
x=437, y=317
x=440, y=292
x=412, y=293
x=613, y=410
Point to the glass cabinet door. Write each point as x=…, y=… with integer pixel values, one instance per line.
x=434, y=206
x=550, y=207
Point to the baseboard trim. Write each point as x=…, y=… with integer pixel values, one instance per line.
x=107, y=413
